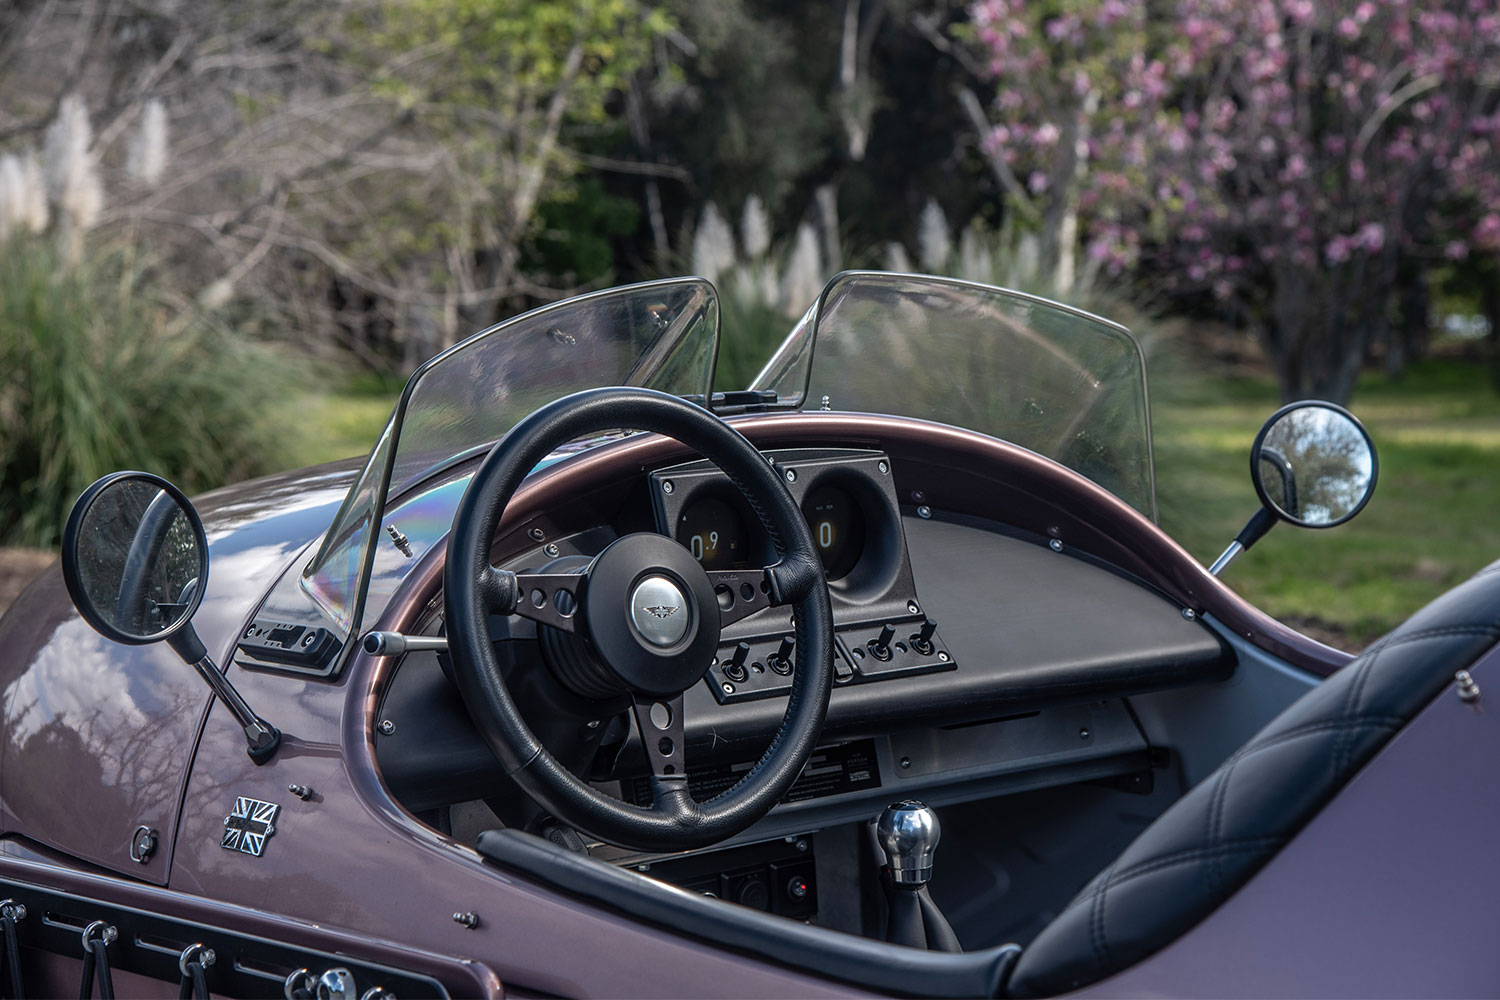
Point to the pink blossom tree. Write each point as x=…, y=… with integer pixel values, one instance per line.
x=1303, y=159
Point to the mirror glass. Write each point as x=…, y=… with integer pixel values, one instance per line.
x=137, y=559
x=1314, y=465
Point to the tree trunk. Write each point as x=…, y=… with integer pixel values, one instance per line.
x=640, y=134
x=827, y=199
x=1489, y=304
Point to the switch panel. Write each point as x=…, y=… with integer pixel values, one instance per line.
x=762, y=668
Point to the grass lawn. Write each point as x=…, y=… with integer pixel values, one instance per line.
x=343, y=424
x=1430, y=525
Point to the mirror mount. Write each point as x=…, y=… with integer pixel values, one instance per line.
x=1313, y=465
x=261, y=738
x=135, y=562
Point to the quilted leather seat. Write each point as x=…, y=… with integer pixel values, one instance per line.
x=1213, y=839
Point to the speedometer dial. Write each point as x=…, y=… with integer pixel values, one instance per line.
x=715, y=533
x=838, y=529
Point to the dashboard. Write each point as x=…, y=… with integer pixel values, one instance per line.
x=974, y=656
x=970, y=653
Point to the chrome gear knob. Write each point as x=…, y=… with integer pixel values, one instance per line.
x=908, y=832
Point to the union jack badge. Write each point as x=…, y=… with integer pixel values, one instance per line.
x=247, y=828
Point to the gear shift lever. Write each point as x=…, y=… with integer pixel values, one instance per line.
x=908, y=833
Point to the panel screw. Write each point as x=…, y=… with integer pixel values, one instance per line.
x=801, y=845
x=537, y=534
x=468, y=918
x=911, y=607
x=728, y=687
x=917, y=496
x=924, y=512
x=905, y=763
x=387, y=727
x=1083, y=733
x=883, y=466
x=551, y=549
x=1190, y=614
x=791, y=475
x=1055, y=545
x=666, y=486
x=301, y=791
x=943, y=656
x=1468, y=691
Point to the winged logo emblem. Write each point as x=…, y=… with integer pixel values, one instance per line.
x=662, y=610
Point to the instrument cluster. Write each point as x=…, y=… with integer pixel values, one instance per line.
x=850, y=513
x=848, y=498
x=721, y=534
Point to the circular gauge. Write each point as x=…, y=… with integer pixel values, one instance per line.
x=715, y=533
x=838, y=529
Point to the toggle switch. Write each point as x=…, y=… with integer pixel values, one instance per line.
x=922, y=641
x=781, y=660
x=735, y=668
x=880, y=646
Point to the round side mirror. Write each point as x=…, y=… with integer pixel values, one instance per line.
x=135, y=558
x=1313, y=464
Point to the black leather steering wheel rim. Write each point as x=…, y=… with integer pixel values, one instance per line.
x=473, y=590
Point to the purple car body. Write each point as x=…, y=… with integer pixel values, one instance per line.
x=120, y=773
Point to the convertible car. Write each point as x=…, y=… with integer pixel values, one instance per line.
x=874, y=677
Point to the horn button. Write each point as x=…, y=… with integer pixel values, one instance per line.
x=659, y=610
x=652, y=615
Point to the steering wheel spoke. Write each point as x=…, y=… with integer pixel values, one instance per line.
x=660, y=723
x=740, y=592
x=550, y=599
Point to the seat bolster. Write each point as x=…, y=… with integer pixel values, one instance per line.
x=1213, y=839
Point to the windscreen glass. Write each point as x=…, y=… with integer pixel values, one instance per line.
x=661, y=335
x=1047, y=377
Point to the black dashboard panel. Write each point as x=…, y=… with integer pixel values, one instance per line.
x=848, y=498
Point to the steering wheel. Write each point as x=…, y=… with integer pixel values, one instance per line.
x=652, y=616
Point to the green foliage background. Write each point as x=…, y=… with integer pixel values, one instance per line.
x=102, y=374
